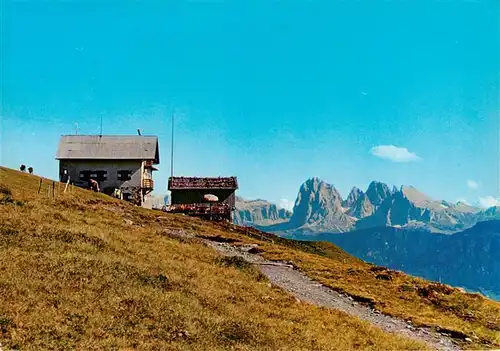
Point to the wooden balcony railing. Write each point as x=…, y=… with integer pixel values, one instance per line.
x=147, y=184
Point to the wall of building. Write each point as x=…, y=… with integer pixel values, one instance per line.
x=190, y=196
x=74, y=167
x=148, y=202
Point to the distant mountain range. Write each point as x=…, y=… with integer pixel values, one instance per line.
x=470, y=259
x=320, y=208
x=259, y=213
x=399, y=228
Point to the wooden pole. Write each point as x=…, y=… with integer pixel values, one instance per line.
x=53, y=189
x=66, y=187
x=40, y=186
x=172, y=149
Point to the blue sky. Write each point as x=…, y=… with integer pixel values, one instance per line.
x=272, y=92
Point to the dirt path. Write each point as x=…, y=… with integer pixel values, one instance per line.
x=302, y=287
x=296, y=283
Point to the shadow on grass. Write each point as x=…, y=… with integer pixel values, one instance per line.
x=242, y=265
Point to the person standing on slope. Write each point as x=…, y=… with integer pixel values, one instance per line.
x=94, y=186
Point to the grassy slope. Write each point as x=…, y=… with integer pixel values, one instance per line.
x=424, y=303
x=86, y=271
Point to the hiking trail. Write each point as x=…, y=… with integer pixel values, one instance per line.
x=296, y=283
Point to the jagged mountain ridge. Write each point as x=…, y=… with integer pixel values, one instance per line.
x=353, y=197
x=320, y=208
x=377, y=192
x=409, y=207
x=259, y=212
x=361, y=208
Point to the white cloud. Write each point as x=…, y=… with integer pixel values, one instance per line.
x=489, y=201
x=473, y=185
x=394, y=153
x=286, y=204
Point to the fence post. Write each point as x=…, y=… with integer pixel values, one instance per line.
x=40, y=186
x=53, y=189
x=66, y=187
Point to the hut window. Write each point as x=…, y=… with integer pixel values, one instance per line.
x=85, y=175
x=96, y=175
x=100, y=175
x=124, y=175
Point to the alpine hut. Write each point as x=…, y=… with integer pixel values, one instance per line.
x=211, y=198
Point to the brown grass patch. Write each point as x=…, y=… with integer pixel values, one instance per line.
x=76, y=275
x=425, y=303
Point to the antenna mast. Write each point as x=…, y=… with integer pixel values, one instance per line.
x=100, y=132
x=172, y=149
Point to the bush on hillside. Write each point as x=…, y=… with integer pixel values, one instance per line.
x=6, y=196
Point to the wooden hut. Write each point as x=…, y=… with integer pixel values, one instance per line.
x=191, y=195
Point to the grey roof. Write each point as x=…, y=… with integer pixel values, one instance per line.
x=108, y=147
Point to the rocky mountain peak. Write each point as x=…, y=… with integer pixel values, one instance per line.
x=320, y=208
x=413, y=193
x=312, y=184
x=416, y=196
x=353, y=197
x=362, y=207
x=377, y=192
x=319, y=204
x=421, y=200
